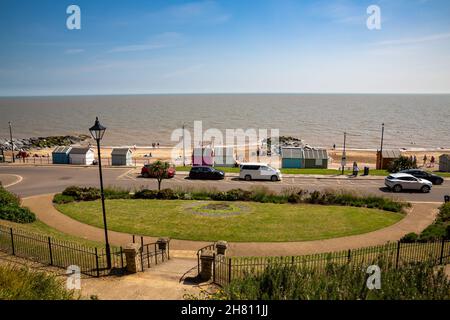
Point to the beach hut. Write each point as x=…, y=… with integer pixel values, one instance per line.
x=203, y=156
x=224, y=157
x=83, y=156
x=315, y=158
x=444, y=163
x=121, y=157
x=61, y=155
x=385, y=158
x=292, y=158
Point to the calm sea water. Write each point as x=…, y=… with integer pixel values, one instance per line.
x=412, y=121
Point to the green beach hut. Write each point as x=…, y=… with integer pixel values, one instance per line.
x=292, y=158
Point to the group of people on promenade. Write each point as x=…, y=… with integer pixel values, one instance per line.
x=432, y=161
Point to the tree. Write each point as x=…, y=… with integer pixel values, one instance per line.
x=402, y=163
x=159, y=170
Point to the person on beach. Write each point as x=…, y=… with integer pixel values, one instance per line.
x=334, y=146
x=415, y=160
x=425, y=158
x=432, y=160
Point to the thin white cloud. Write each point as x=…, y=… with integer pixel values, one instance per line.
x=160, y=41
x=405, y=41
x=209, y=12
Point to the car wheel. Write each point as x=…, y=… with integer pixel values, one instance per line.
x=425, y=189
x=439, y=181
x=146, y=175
x=274, y=178
x=397, y=188
x=248, y=177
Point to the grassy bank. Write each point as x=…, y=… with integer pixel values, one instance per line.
x=233, y=221
x=340, y=282
x=19, y=283
x=41, y=228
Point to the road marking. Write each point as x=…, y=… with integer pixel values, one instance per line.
x=124, y=174
x=19, y=180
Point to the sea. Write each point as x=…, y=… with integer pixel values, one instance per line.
x=411, y=121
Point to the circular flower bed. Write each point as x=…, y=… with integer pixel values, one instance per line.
x=216, y=209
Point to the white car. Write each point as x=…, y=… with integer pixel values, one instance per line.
x=258, y=171
x=404, y=181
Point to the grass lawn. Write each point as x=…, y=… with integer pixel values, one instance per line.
x=43, y=229
x=256, y=221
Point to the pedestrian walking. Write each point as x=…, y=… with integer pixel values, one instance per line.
x=425, y=158
x=355, y=169
x=432, y=160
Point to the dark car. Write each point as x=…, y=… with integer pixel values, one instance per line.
x=434, y=179
x=206, y=173
x=147, y=173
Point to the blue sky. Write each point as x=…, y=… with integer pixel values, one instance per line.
x=282, y=46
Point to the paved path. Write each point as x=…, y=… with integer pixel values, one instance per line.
x=418, y=218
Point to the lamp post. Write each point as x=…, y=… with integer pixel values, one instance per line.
x=12, y=143
x=344, y=155
x=381, y=147
x=184, y=149
x=97, y=132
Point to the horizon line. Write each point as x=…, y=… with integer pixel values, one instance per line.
x=219, y=93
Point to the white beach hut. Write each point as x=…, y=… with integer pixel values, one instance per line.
x=83, y=156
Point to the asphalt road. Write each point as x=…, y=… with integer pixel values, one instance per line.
x=49, y=179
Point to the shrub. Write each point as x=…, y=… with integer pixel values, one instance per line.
x=339, y=282
x=410, y=237
x=440, y=227
x=22, y=284
x=82, y=194
x=116, y=193
x=8, y=198
x=62, y=199
x=16, y=214
x=166, y=194
x=238, y=195
x=145, y=194
x=402, y=163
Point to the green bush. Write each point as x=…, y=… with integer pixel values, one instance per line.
x=146, y=194
x=8, y=198
x=23, y=284
x=339, y=282
x=402, y=163
x=440, y=227
x=62, y=199
x=82, y=194
x=116, y=193
x=16, y=214
x=410, y=237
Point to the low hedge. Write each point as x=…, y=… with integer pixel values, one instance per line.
x=11, y=210
x=439, y=229
x=258, y=194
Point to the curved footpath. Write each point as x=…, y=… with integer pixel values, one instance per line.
x=418, y=218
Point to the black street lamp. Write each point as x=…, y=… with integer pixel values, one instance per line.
x=97, y=132
x=12, y=143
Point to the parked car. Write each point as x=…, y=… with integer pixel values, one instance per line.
x=258, y=171
x=404, y=181
x=146, y=172
x=433, y=178
x=206, y=173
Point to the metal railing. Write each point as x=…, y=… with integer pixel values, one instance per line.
x=59, y=253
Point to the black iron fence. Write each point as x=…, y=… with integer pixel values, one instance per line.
x=225, y=269
x=58, y=253
x=152, y=254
